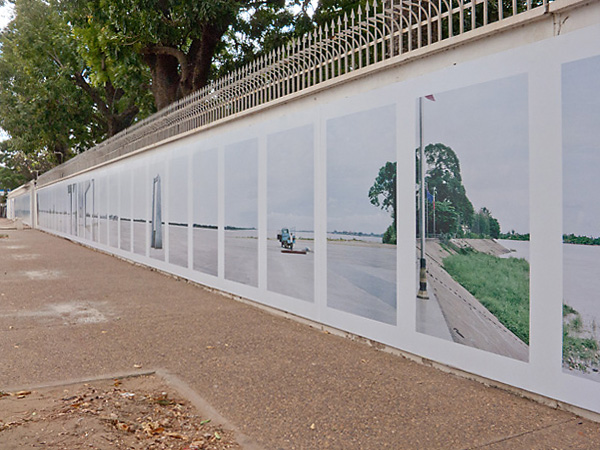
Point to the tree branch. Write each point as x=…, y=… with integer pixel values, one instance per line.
x=89, y=90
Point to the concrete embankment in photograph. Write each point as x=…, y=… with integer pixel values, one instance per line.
x=468, y=321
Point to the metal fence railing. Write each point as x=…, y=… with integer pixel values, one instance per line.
x=379, y=31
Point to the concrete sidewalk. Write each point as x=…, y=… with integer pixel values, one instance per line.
x=68, y=312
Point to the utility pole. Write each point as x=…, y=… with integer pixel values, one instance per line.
x=434, y=192
x=423, y=264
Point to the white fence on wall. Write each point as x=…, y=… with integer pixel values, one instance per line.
x=378, y=32
x=209, y=206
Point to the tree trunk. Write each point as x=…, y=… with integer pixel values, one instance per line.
x=165, y=78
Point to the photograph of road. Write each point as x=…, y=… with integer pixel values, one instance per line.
x=101, y=208
x=241, y=212
x=361, y=214
x=476, y=191
x=125, y=205
x=113, y=208
x=290, y=213
x=581, y=217
x=178, y=210
x=140, y=208
x=205, y=168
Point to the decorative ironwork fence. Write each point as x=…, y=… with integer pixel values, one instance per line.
x=369, y=35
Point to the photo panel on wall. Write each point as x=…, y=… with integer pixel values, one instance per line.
x=581, y=217
x=241, y=212
x=205, y=186
x=472, y=205
x=361, y=214
x=290, y=212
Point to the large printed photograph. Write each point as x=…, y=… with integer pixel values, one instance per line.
x=241, y=212
x=361, y=214
x=472, y=209
x=290, y=213
x=581, y=217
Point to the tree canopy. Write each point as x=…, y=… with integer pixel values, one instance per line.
x=383, y=195
x=74, y=72
x=177, y=40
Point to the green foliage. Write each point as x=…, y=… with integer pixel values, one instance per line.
x=383, y=191
x=579, y=351
x=10, y=179
x=182, y=43
x=446, y=218
x=484, y=225
x=40, y=106
x=512, y=236
x=501, y=285
x=383, y=195
x=581, y=240
x=443, y=176
x=389, y=237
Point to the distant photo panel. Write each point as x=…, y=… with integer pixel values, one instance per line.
x=178, y=210
x=241, y=212
x=205, y=188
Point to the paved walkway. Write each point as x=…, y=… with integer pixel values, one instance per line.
x=68, y=312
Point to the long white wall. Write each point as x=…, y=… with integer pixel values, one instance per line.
x=209, y=206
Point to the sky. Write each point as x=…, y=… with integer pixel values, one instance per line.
x=5, y=15
x=487, y=127
x=241, y=184
x=290, y=180
x=358, y=145
x=581, y=147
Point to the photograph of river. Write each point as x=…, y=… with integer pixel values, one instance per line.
x=205, y=186
x=178, y=209
x=241, y=212
x=361, y=201
x=290, y=212
x=581, y=217
x=476, y=191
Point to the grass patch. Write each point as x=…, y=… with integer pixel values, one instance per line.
x=501, y=285
x=3, y=236
x=580, y=351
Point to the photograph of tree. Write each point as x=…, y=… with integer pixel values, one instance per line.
x=156, y=180
x=205, y=188
x=361, y=217
x=241, y=212
x=290, y=213
x=473, y=284
x=581, y=217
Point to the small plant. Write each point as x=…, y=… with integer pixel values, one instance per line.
x=580, y=351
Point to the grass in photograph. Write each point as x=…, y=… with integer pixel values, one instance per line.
x=501, y=285
x=580, y=351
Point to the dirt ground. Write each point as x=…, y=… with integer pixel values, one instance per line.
x=131, y=413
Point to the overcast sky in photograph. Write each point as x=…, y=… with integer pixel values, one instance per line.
x=358, y=145
x=241, y=184
x=290, y=179
x=581, y=147
x=487, y=127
